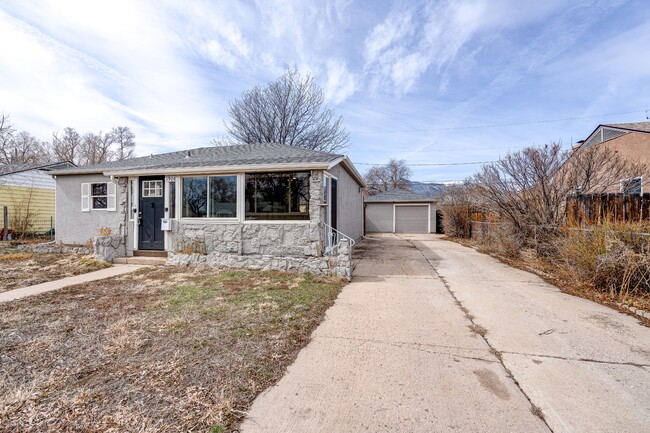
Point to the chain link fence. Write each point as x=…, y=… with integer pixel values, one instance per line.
x=20, y=227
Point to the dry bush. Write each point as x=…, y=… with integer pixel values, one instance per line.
x=455, y=206
x=104, y=231
x=456, y=220
x=497, y=238
x=15, y=256
x=613, y=257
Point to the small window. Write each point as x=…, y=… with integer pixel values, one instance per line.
x=152, y=188
x=99, y=195
x=172, y=199
x=132, y=201
x=633, y=185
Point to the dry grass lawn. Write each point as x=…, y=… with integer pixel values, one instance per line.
x=21, y=269
x=165, y=349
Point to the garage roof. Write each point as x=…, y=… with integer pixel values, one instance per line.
x=398, y=195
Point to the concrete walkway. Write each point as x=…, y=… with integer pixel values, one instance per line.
x=65, y=282
x=402, y=350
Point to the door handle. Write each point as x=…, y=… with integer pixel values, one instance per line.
x=139, y=218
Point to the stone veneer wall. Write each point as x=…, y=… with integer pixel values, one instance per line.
x=275, y=238
x=107, y=248
x=268, y=245
x=338, y=265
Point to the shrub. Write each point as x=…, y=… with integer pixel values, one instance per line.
x=613, y=257
x=456, y=220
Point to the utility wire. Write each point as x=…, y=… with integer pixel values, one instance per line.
x=496, y=125
x=432, y=164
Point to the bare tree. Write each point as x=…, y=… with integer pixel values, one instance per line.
x=66, y=146
x=6, y=136
x=529, y=188
x=125, y=140
x=289, y=110
x=96, y=148
x=394, y=175
x=223, y=141
x=24, y=148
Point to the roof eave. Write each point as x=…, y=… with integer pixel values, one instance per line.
x=424, y=200
x=350, y=168
x=218, y=169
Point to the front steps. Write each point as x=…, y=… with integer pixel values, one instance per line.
x=143, y=257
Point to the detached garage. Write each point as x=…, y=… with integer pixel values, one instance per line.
x=399, y=211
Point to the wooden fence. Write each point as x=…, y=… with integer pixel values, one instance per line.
x=597, y=208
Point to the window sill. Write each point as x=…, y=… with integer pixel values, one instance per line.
x=276, y=221
x=208, y=220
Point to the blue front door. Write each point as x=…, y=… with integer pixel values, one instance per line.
x=152, y=210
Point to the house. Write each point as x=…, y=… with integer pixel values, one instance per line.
x=400, y=211
x=631, y=141
x=27, y=190
x=266, y=206
x=621, y=199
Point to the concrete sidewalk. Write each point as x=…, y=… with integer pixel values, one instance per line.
x=395, y=353
x=65, y=282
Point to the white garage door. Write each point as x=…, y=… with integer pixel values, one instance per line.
x=412, y=219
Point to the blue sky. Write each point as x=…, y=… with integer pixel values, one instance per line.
x=413, y=80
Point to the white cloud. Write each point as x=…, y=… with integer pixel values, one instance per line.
x=215, y=52
x=341, y=83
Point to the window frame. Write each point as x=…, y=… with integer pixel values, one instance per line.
x=180, y=189
x=280, y=220
x=157, y=188
x=629, y=180
x=87, y=196
x=93, y=196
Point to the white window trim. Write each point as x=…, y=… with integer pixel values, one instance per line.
x=640, y=178
x=212, y=220
x=271, y=221
x=88, y=197
x=135, y=205
x=132, y=202
x=241, y=203
x=395, y=205
x=154, y=189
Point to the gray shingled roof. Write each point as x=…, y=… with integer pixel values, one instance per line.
x=397, y=195
x=6, y=169
x=635, y=126
x=214, y=156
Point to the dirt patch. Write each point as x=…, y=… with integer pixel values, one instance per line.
x=21, y=269
x=166, y=349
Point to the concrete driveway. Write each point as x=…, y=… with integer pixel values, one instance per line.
x=432, y=337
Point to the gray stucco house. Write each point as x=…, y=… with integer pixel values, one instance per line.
x=265, y=206
x=400, y=211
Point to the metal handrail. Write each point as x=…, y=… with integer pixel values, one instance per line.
x=332, y=238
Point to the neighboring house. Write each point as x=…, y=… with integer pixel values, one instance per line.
x=631, y=141
x=28, y=192
x=245, y=205
x=400, y=211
